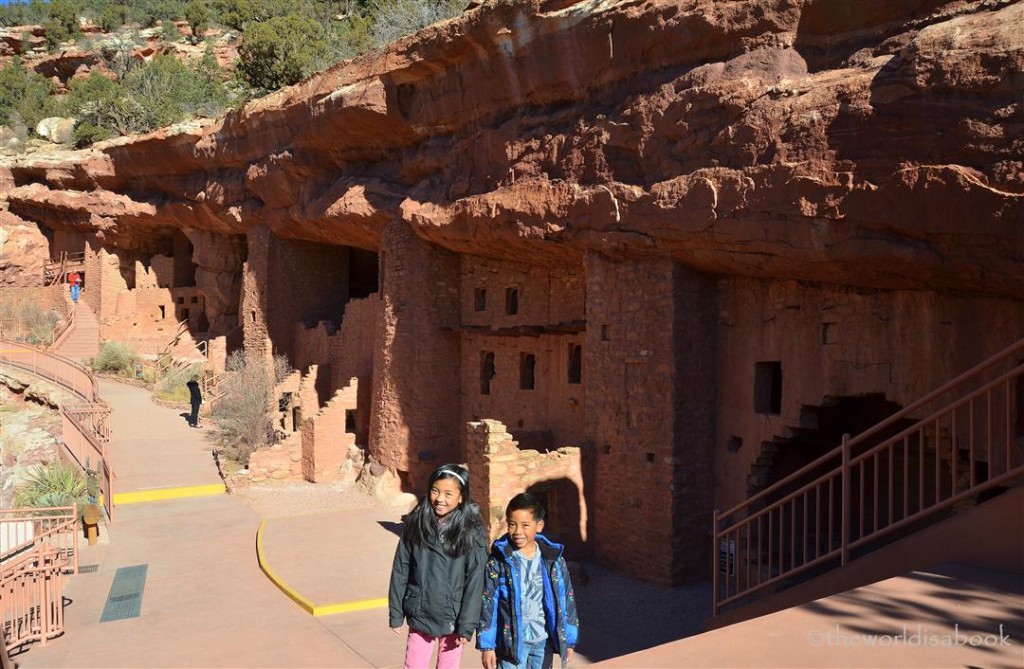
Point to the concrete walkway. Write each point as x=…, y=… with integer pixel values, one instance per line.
x=207, y=603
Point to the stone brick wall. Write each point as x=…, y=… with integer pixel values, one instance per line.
x=544, y=295
x=646, y=414
x=254, y=298
x=500, y=470
x=414, y=424
x=305, y=282
x=326, y=445
x=833, y=341
x=553, y=410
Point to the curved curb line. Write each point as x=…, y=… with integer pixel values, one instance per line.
x=169, y=493
x=303, y=602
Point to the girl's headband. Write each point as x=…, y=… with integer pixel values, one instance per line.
x=454, y=473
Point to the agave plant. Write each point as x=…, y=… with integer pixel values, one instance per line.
x=54, y=484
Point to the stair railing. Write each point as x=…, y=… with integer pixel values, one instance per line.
x=23, y=529
x=873, y=486
x=31, y=597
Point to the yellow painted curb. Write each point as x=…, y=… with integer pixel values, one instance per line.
x=169, y=493
x=307, y=605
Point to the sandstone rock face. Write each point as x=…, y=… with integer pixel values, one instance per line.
x=877, y=147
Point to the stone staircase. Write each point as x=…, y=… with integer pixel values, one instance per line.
x=84, y=339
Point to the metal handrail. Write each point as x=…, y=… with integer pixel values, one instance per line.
x=31, y=597
x=758, y=542
x=85, y=425
x=55, y=526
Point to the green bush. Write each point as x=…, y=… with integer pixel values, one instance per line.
x=198, y=16
x=23, y=13
x=25, y=96
x=113, y=17
x=281, y=51
x=115, y=357
x=63, y=22
x=54, y=484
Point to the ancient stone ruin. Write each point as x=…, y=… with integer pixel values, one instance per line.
x=622, y=254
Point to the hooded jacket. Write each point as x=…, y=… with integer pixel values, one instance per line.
x=502, y=606
x=436, y=593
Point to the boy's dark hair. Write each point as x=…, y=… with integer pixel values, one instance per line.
x=525, y=501
x=464, y=527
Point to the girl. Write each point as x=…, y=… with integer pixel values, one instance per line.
x=438, y=575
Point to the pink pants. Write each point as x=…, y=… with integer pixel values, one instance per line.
x=420, y=646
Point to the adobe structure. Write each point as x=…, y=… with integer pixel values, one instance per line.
x=643, y=258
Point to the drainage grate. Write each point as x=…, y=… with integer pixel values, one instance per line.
x=125, y=598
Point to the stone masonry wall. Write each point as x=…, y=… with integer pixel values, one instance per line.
x=326, y=445
x=500, y=470
x=551, y=414
x=833, y=341
x=415, y=410
x=634, y=379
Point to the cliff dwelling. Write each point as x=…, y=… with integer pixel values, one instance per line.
x=604, y=251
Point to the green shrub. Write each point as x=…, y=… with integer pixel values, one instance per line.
x=25, y=96
x=23, y=13
x=116, y=358
x=113, y=17
x=281, y=51
x=36, y=321
x=54, y=484
x=198, y=16
x=63, y=22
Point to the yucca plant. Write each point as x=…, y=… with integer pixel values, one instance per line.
x=53, y=484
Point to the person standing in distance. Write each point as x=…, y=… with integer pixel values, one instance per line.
x=195, y=399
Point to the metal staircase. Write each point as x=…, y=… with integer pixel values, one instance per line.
x=964, y=442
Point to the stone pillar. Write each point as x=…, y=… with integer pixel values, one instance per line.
x=254, y=298
x=414, y=425
x=650, y=394
x=219, y=263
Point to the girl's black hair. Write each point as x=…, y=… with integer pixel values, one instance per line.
x=463, y=528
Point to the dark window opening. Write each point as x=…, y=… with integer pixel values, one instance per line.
x=735, y=444
x=768, y=387
x=606, y=333
x=350, y=421
x=480, y=299
x=252, y=315
x=181, y=300
x=195, y=299
x=184, y=315
x=527, y=365
x=607, y=449
x=829, y=333
x=363, y=273
x=163, y=312
x=650, y=457
x=511, y=301
x=486, y=372
x=575, y=363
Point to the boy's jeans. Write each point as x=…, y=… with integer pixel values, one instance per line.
x=536, y=655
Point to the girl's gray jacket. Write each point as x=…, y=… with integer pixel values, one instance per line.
x=436, y=593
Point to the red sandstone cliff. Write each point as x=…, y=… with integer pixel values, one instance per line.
x=862, y=143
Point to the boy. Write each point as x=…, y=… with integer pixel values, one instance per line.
x=529, y=610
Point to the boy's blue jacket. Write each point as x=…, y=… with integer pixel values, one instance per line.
x=502, y=607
